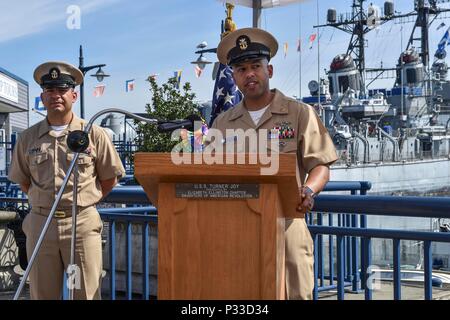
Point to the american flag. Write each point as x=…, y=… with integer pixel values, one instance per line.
x=226, y=94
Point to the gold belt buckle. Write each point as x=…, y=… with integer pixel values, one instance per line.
x=60, y=214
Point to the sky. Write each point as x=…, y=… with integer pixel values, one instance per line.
x=139, y=38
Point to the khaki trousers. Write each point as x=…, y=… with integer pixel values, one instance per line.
x=46, y=276
x=299, y=260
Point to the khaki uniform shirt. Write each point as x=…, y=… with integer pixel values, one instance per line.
x=41, y=159
x=303, y=130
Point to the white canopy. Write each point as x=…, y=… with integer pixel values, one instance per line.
x=264, y=3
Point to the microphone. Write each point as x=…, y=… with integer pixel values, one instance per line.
x=187, y=123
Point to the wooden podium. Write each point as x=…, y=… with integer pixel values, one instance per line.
x=220, y=226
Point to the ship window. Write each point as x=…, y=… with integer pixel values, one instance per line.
x=411, y=75
x=330, y=80
x=354, y=83
x=343, y=83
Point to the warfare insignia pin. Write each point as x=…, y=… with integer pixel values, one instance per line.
x=284, y=123
x=34, y=150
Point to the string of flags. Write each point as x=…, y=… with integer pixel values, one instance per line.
x=129, y=85
x=311, y=40
x=99, y=90
x=198, y=71
x=177, y=75
x=445, y=41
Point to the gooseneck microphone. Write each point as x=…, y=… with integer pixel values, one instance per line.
x=188, y=124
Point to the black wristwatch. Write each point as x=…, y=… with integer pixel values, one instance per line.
x=308, y=190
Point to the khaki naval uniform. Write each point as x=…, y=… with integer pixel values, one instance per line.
x=308, y=138
x=41, y=158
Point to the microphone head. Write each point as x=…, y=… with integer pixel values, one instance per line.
x=78, y=141
x=196, y=121
x=192, y=122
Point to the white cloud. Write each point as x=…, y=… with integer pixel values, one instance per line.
x=25, y=17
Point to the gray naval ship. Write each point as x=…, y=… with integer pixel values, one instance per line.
x=398, y=138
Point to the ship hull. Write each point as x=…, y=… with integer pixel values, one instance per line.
x=421, y=177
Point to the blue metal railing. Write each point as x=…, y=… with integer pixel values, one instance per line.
x=424, y=207
x=343, y=271
x=350, y=246
x=348, y=208
x=136, y=195
x=144, y=216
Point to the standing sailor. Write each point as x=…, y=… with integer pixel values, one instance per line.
x=39, y=165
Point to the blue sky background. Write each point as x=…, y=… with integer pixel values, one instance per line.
x=143, y=37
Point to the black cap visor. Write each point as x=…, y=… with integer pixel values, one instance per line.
x=254, y=51
x=63, y=81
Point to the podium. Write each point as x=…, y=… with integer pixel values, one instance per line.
x=220, y=226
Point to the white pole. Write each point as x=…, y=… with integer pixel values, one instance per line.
x=318, y=59
x=300, y=51
x=401, y=73
x=257, y=13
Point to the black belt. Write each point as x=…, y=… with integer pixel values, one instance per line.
x=60, y=213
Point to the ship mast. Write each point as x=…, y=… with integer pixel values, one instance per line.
x=424, y=13
x=359, y=23
x=356, y=45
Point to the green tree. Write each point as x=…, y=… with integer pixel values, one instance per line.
x=168, y=103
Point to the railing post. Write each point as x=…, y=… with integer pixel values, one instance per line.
x=428, y=270
x=348, y=251
x=367, y=264
x=397, y=271
x=316, y=269
x=340, y=267
x=112, y=259
x=320, y=247
x=363, y=224
x=145, y=267
x=129, y=267
x=364, y=266
x=331, y=250
x=355, y=257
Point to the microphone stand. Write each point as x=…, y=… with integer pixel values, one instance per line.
x=77, y=141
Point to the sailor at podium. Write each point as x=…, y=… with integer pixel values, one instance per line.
x=295, y=125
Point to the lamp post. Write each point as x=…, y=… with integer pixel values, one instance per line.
x=201, y=61
x=100, y=75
